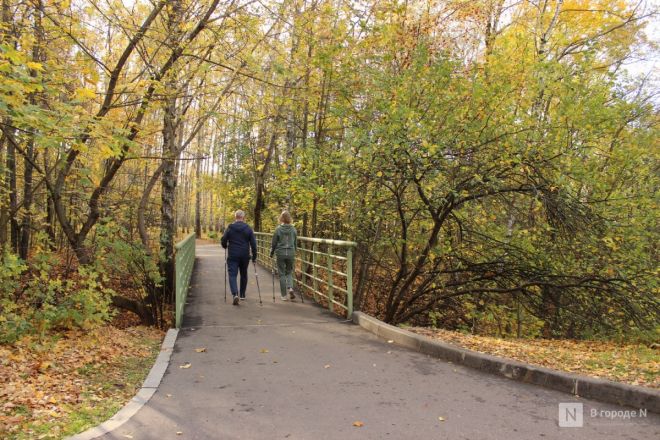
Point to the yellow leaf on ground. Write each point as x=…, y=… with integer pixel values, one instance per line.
x=263, y=350
x=44, y=366
x=358, y=424
x=200, y=350
x=186, y=365
x=442, y=419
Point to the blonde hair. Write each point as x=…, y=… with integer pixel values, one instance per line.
x=285, y=217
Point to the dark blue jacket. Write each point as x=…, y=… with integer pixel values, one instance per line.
x=240, y=238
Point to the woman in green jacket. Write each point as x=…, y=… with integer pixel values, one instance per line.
x=284, y=247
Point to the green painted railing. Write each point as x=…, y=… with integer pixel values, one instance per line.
x=184, y=261
x=324, y=269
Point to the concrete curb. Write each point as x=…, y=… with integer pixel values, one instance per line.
x=148, y=389
x=582, y=386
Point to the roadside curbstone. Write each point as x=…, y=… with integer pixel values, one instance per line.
x=582, y=386
x=149, y=387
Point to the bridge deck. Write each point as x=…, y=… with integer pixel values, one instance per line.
x=293, y=371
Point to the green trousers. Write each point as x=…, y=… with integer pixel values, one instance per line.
x=285, y=270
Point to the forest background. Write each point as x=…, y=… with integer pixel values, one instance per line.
x=495, y=160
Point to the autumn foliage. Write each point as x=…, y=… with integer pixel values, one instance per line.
x=495, y=160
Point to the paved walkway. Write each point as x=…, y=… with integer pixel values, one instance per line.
x=293, y=371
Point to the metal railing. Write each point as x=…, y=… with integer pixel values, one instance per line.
x=323, y=268
x=184, y=262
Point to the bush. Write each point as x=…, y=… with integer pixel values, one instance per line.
x=42, y=296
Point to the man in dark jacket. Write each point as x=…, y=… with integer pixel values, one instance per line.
x=240, y=239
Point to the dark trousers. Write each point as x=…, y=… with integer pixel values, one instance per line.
x=233, y=267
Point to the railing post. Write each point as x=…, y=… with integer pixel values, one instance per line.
x=349, y=282
x=330, y=279
x=315, y=282
x=304, y=264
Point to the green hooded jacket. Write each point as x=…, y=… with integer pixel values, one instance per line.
x=284, y=241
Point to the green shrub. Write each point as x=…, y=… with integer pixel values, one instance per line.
x=41, y=296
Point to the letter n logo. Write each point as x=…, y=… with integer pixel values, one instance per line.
x=570, y=415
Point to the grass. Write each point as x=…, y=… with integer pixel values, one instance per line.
x=634, y=364
x=61, y=386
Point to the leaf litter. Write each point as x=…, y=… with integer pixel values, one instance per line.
x=634, y=364
x=68, y=382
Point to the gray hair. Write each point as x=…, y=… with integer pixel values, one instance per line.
x=239, y=215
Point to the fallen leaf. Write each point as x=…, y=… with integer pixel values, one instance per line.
x=358, y=424
x=44, y=366
x=390, y=341
x=263, y=350
x=327, y=366
x=186, y=365
x=200, y=350
x=128, y=436
x=168, y=395
x=179, y=432
x=442, y=419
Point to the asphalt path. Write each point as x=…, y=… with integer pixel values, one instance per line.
x=288, y=370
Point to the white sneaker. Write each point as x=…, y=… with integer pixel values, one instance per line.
x=284, y=298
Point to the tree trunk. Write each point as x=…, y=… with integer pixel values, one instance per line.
x=4, y=179
x=26, y=224
x=26, y=227
x=259, y=204
x=198, y=198
x=168, y=193
x=13, y=201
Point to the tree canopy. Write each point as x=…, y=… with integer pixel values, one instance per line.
x=495, y=160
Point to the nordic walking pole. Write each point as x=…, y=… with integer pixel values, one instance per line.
x=272, y=272
x=302, y=293
x=225, y=275
x=256, y=277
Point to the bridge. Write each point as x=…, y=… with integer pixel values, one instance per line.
x=294, y=370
